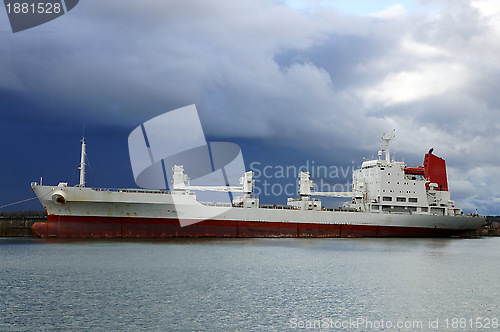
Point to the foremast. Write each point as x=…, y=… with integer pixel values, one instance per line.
x=83, y=158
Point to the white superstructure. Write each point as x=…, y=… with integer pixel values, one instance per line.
x=384, y=185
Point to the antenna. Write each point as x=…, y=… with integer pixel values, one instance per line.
x=387, y=139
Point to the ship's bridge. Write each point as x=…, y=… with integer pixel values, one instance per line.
x=370, y=163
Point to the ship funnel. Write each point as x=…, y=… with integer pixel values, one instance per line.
x=435, y=171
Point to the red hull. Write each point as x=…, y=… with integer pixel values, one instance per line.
x=105, y=227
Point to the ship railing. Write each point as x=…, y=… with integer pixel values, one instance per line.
x=345, y=209
x=126, y=190
x=277, y=206
x=149, y=191
x=217, y=204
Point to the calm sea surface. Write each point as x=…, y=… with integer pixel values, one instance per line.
x=250, y=285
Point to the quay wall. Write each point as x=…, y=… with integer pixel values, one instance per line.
x=18, y=227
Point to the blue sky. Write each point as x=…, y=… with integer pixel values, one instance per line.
x=291, y=82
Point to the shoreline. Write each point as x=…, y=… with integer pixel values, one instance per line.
x=18, y=227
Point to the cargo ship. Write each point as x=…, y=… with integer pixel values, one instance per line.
x=388, y=199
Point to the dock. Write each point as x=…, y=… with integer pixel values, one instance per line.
x=18, y=224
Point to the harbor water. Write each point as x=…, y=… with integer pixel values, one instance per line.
x=250, y=284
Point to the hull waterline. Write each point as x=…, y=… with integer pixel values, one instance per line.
x=117, y=227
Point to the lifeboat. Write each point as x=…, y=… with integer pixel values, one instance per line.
x=419, y=170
